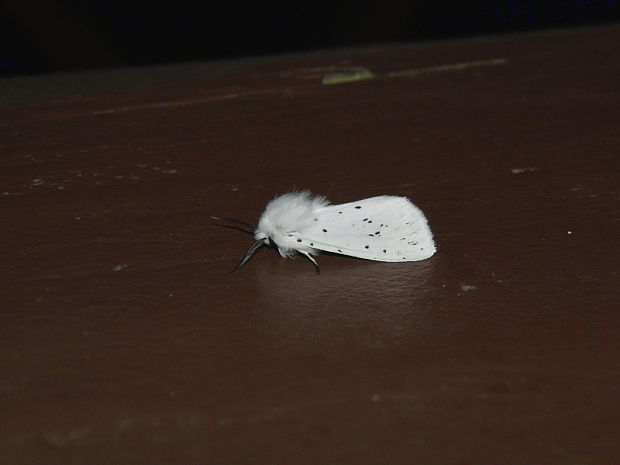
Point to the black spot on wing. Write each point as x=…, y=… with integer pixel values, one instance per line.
x=358, y=207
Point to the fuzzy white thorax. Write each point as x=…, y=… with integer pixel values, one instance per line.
x=286, y=218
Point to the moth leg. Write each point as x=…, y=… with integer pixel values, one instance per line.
x=251, y=251
x=311, y=258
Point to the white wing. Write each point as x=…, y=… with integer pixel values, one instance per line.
x=384, y=228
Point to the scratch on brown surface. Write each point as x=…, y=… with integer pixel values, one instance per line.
x=450, y=67
x=187, y=102
x=331, y=75
x=317, y=72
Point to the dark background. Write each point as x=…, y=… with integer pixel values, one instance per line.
x=38, y=36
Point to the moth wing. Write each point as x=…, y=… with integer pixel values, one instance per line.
x=384, y=228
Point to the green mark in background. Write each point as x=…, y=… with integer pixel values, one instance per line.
x=347, y=75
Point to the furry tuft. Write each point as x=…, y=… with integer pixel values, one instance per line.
x=286, y=217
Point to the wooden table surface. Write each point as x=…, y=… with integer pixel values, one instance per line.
x=124, y=340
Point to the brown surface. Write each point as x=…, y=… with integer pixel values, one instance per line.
x=123, y=340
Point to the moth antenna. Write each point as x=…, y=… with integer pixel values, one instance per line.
x=251, y=251
x=311, y=258
x=250, y=226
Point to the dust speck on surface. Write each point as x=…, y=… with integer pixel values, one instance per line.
x=523, y=170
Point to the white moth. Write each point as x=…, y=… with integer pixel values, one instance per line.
x=384, y=228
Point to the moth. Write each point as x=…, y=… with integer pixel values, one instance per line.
x=385, y=228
